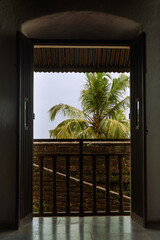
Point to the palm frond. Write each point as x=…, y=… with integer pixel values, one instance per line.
x=69, y=128
x=87, y=133
x=118, y=88
x=94, y=96
x=113, y=108
x=65, y=110
x=114, y=129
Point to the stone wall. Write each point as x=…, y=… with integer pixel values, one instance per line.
x=119, y=147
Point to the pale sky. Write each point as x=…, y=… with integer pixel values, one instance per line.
x=51, y=89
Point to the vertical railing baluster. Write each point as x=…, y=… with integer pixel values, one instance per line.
x=68, y=184
x=81, y=176
x=41, y=159
x=120, y=158
x=94, y=184
x=54, y=205
x=107, y=160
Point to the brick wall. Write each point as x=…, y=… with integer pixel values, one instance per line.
x=111, y=147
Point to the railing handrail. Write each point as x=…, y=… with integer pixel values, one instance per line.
x=82, y=140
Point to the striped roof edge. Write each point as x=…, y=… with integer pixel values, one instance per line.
x=81, y=59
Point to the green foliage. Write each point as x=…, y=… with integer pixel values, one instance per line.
x=103, y=103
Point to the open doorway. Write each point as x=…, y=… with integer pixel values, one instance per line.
x=137, y=112
x=112, y=143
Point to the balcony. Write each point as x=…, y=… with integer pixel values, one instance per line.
x=81, y=177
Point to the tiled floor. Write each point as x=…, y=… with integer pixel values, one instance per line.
x=79, y=228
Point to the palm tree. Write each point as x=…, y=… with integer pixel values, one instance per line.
x=103, y=103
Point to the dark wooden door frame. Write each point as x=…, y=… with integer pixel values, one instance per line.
x=112, y=44
x=25, y=130
x=138, y=130
x=85, y=43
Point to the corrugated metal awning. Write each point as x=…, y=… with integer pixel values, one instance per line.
x=71, y=59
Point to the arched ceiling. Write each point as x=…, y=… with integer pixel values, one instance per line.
x=81, y=25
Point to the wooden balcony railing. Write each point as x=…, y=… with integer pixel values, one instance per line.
x=100, y=163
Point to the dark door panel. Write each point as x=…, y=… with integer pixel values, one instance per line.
x=138, y=130
x=25, y=65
